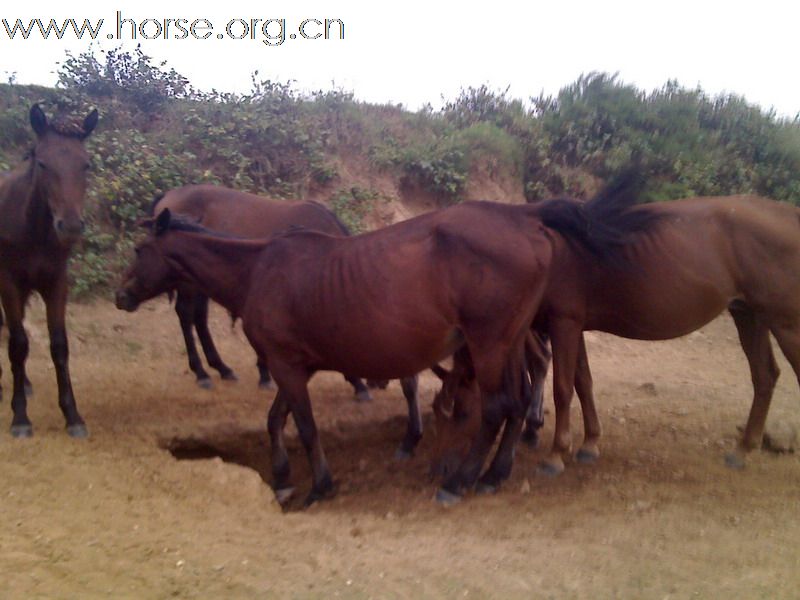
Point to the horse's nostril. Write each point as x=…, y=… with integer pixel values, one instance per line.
x=60, y=225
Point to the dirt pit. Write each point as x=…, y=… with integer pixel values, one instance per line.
x=167, y=497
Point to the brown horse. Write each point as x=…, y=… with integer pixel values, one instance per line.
x=696, y=258
x=472, y=275
x=41, y=203
x=244, y=215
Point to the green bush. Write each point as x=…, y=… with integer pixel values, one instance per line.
x=156, y=132
x=351, y=206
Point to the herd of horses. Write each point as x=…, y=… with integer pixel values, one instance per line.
x=486, y=283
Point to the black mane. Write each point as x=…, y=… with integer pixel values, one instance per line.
x=604, y=224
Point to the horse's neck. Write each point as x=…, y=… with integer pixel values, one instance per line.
x=25, y=214
x=221, y=268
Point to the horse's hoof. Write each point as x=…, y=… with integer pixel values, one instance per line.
x=530, y=439
x=283, y=495
x=549, y=469
x=484, y=488
x=446, y=498
x=22, y=431
x=734, y=460
x=586, y=456
x=205, y=383
x=316, y=496
x=363, y=396
x=266, y=385
x=78, y=431
x=229, y=376
x=402, y=454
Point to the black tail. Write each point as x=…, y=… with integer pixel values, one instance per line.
x=604, y=223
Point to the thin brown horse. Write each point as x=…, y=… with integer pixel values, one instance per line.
x=246, y=215
x=692, y=260
x=40, y=219
x=472, y=275
x=243, y=215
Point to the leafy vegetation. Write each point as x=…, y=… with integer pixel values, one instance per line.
x=157, y=132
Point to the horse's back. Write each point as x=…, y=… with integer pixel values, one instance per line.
x=400, y=288
x=701, y=255
x=244, y=214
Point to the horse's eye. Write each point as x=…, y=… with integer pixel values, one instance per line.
x=41, y=164
x=87, y=166
x=138, y=251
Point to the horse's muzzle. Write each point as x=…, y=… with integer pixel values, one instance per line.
x=69, y=231
x=125, y=301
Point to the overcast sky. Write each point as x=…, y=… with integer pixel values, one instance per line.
x=414, y=52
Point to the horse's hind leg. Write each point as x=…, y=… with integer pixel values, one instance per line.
x=184, y=307
x=413, y=435
x=362, y=393
x=754, y=337
x=209, y=349
x=565, y=338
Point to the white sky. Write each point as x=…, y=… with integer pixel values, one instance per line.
x=413, y=52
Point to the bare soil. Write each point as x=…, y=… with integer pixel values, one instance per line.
x=167, y=497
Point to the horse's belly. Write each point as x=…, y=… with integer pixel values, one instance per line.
x=387, y=357
x=661, y=319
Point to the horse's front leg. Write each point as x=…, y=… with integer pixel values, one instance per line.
x=184, y=308
x=537, y=357
x=496, y=406
x=281, y=470
x=14, y=307
x=264, y=378
x=361, y=390
x=292, y=385
x=55, y=300
x=590, y=449
x=413, y=435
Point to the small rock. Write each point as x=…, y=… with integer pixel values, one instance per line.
x=526, y=487
x=780, y=436
x=649, y=388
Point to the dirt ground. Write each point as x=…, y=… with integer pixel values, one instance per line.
x=118, y=515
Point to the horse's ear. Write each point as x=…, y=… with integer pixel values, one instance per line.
x=38, y=120
x=162, y=221
x=89, y=123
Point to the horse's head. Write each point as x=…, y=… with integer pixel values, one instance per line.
x=457, y=408
x=151, y=272
x=60, y=164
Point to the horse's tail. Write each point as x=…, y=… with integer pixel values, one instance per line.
x=154, y=203
x=604, y=223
